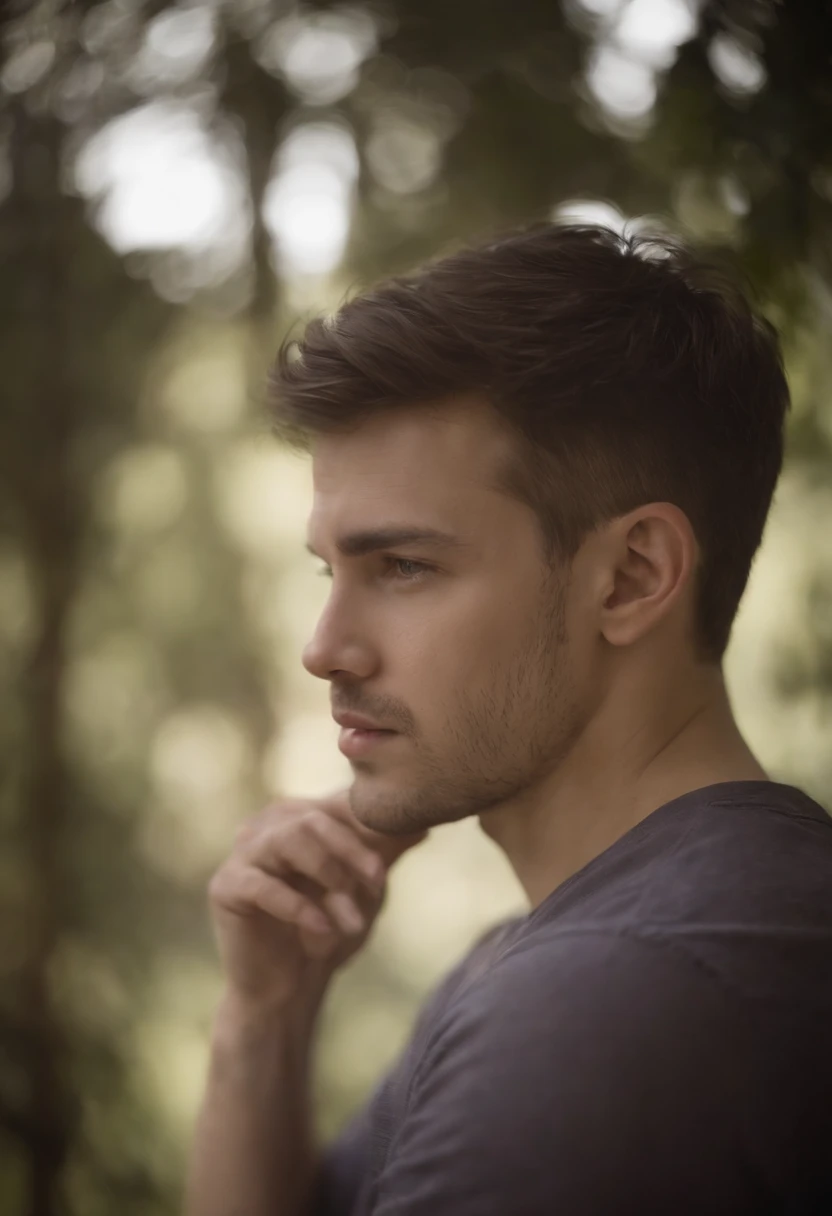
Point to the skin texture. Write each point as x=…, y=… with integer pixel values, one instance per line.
x=560, y=706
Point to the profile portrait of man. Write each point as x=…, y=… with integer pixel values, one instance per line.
x=542, y=468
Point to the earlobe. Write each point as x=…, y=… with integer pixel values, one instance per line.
x=653, y=554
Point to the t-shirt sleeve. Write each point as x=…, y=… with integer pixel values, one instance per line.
x=583, y=1075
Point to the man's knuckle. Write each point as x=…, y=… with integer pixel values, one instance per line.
x=250, y=883
x=313, y=820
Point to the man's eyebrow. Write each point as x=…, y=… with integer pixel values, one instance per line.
x=357, y=544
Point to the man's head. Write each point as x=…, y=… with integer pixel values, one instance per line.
x=596, y=423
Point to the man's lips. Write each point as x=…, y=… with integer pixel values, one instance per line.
x=355, y=741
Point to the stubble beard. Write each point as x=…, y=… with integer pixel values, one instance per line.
x=497, y=749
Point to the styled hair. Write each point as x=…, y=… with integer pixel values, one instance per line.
x=629, y=368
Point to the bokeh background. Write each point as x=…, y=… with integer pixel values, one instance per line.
x=181, y=185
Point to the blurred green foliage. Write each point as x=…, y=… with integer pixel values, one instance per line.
x=151, y=604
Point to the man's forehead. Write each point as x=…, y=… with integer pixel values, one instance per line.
x=395, y=502
x=429, y=468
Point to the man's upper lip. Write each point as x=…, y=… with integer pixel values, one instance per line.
x=358, y=721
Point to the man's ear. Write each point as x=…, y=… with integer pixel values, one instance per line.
x=651, y=555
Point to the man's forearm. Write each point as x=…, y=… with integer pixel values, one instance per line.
x=254, y=1152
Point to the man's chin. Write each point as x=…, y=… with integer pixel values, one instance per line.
x=385, y=804
x=389, y=803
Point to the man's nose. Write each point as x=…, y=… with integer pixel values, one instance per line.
x=335, y=648
x=317, y=657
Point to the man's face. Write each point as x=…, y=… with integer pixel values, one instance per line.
x=457, y=645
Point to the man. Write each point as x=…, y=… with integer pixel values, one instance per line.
x=542, y=467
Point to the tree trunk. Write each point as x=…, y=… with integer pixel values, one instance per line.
x=49, y=516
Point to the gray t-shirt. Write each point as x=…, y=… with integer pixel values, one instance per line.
x=655, y=1037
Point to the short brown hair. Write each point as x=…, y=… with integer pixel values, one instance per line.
x=630, y=368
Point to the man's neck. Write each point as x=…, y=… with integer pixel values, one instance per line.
x=624, y=766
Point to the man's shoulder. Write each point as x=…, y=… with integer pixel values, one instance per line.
x=756, y=938
x=568, y=970
x=568, y=1024
x=725, y=909
x=574, y=1039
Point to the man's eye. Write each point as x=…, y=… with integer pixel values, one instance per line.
x=401, y=567
x=407, y=571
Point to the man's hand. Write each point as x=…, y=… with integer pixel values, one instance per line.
x=298, y=896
